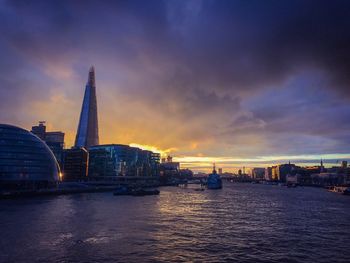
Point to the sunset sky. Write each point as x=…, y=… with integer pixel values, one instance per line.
x=234, y=82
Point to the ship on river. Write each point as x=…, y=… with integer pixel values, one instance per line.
x=214, y=180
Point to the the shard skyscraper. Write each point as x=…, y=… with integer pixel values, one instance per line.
x=87, y=134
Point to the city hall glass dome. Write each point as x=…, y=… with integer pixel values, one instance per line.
x=25, y=160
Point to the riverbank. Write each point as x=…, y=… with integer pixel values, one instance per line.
x=54, y=191
x=67, y=188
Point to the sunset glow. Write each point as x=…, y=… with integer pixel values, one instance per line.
x=226, y=101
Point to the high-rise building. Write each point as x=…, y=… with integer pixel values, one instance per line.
x=87, y=134
x=40, y=130
x=55, y=140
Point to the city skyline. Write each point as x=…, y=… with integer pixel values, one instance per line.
x=242, y=87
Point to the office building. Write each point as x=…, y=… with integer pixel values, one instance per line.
x=258, y=173
x=87, y=134
x=268, y=174
x=40, y=130
x=109, y=161
x=285, y=169
x=75, y=166
x=53, y=139
x=168, y=166
x=169, y=171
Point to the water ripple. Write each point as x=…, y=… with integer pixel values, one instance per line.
x=241, y=223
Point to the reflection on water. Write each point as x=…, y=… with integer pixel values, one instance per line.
x=242, y=223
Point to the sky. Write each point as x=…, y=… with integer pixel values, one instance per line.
x=232, y=82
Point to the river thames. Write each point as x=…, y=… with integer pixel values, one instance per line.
x=240, y=223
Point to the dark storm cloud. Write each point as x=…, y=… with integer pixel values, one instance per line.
x=255, y=43
x=239, y=44
x=199, y=62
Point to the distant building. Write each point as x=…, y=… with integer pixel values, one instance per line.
x=292, y=179
x=279, y=172
x=220, y=171
x=170, y=166
x=40, y=130
x=87, y=134
x=26, y=162
x=75, y=166
x=328, y=179
x=169, y=170
x=305, y=174
x=258, y=173
x=55, y=136
x=53, y=139
x=111, y=160
x=274, y=173
x=322, y=167
x=155, y=161
x=344, y=164
x=268, y=174
x=186, y=173
x=284, y=169
x=309, y=175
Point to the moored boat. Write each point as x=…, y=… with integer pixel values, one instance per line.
x=214, y=180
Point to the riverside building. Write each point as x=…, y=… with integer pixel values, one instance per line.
x=107, y=162
x=75, y=165
x=26, y=162
x=53, y=139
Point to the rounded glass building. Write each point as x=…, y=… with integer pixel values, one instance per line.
x=26, y=162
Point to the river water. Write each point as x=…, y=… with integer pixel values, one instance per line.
x=240, y=223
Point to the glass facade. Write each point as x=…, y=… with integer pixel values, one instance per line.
x=87, y=134
x=106, y=161
x=25, y=160
x=75, y=164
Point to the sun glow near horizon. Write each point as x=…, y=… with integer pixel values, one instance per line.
x=163, y=153
x=233, y=164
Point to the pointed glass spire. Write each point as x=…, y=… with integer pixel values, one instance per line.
x=91, y=80
x=87, y=134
